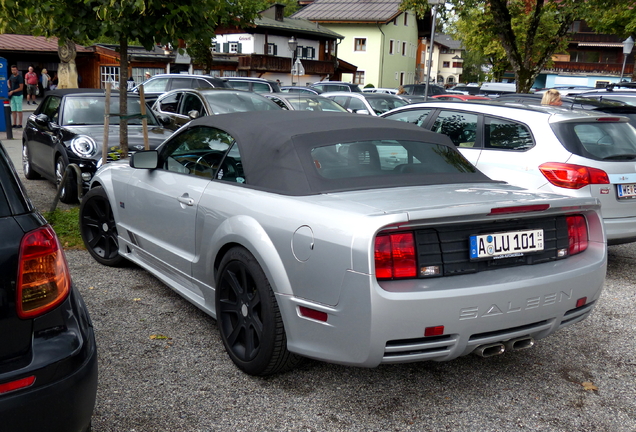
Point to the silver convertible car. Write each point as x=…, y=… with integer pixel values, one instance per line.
x=346, y=238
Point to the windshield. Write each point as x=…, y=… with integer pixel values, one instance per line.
x=601, y=140
x=228, y=102
x=90, y=110
x=384, y=104
x=314, y=104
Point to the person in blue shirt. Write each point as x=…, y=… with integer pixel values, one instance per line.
x=16, y=86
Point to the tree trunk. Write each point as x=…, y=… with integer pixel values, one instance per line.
x=525, y=79
x=67, y=70
x=123, y=97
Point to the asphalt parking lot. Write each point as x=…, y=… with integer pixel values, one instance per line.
x=163, y=368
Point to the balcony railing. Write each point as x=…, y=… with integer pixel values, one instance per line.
x=266, y=63
x=613, y=68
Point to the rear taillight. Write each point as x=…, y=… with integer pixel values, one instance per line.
x=572, y=176
x=395, y=256
x=577, y=234
x=43, y=277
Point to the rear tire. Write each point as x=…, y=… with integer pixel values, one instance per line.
x=248, y=317
x=98, y=228
x=68, y=195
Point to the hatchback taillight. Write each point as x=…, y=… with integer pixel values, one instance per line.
x=395, y=256
x=43, y=277
x=577, y=234
x=571, y=176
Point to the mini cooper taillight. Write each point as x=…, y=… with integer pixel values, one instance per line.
x=43, y=277
x=395, y=256
x=571, y=176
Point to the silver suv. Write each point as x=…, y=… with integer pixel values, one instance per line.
x=570, y=152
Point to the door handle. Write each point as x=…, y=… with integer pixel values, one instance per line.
x=185, y=199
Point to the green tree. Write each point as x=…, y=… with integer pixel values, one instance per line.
x=611, y=17
x=528, y=31
x=150, y=22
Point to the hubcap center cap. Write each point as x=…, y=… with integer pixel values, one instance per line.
x=244, y=310
x=105, y=227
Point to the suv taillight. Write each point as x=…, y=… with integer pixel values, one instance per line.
x=571, y=176
x=395, y=256
x=43, y=277
x=577, y=234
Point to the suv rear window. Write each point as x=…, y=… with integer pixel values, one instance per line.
x=601, y=140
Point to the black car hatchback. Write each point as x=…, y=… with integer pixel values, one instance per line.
x=48, y=357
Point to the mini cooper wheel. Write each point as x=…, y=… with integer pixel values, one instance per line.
x=98, y=228
x=248, y=317
x=68, y=194
x=26, y=164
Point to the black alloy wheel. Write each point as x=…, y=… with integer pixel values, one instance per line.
x=248, y=317
x=98, y=228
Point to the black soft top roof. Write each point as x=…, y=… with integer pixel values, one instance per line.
x=276, y=149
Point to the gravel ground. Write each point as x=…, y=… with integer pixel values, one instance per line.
x=187, y=383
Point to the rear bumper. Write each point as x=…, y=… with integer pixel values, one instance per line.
x=620, y=230
x=373, y=324
x=63, y=395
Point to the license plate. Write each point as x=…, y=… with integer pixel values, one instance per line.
x=626, y=190
x=506, y=244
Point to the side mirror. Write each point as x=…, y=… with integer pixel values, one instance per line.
x=148, y=159
x=42, y=120
x=193, y=114
x=362, y=111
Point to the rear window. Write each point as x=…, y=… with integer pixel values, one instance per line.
x=387, y=158
x=598, y=140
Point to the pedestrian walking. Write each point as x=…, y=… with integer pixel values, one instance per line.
x=147, y=76
x=16, y=86
x=46, y=80
x=31, y=79
x=53, y=85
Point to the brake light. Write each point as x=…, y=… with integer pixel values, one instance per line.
x=519, y=209
x=577, y=234
x=571, y=176
x=395, y=256
x=43, y=277
x=17, y=384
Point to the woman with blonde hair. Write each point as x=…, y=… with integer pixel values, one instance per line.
x=46, y=79
x=551, y=97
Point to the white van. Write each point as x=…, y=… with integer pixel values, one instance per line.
x=497, y=89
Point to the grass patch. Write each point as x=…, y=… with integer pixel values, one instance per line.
x=66, y=225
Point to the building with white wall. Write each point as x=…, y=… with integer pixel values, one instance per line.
x=379, y=38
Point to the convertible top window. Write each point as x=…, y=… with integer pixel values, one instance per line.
x=387, y=158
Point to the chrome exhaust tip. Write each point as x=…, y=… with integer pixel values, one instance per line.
x=521, y=343
x=490, y=350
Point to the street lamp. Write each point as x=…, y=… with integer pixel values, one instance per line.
x=434, y=3
x=293, y=44
x=628, y=45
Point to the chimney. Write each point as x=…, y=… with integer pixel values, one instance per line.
x=279, y=14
